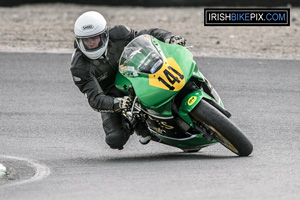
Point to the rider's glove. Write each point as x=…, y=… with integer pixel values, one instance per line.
x=176, y=40
x=122, y=103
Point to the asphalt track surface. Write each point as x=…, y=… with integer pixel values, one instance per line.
x=53, y=144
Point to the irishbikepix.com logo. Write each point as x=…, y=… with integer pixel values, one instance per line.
x=246, y=17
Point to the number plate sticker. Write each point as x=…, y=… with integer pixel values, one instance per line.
x=169, y=77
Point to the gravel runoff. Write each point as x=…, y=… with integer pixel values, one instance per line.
x=49, y=28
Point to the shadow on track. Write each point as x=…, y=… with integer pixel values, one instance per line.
x=158, y=157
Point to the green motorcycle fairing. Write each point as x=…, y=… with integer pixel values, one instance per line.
x=152, y=64
x=158, y=71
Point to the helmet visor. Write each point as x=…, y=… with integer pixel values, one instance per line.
x=94, y=42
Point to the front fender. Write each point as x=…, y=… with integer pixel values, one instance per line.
x=189, y=103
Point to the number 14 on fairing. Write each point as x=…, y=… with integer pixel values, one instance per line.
x=169, y=77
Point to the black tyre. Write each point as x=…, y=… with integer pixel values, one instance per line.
x=222, y=129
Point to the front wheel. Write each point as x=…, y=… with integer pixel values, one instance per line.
x=222, y=129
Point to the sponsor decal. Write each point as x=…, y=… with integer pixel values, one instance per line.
x=162, y=124
x=192, y=100
x=87, y=27
x=122, y=68
x=102, y=77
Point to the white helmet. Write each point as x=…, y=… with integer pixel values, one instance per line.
x=91, y=34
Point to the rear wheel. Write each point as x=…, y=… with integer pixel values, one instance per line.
x=222, y=129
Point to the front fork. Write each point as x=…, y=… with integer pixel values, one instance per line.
x=191, y=100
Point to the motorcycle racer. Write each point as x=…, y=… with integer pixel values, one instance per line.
x=94, y=66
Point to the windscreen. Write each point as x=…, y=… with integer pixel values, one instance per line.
x=140, y=55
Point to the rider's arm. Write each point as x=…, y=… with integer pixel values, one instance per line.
x=159, y=34
x=121, y=32
x=89, y=85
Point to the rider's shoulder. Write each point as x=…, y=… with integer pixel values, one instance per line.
x=119, y=32
x=78, y=61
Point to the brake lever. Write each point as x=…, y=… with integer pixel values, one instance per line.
x=128, y=113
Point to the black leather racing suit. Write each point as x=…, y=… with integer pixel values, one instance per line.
x=96, y=78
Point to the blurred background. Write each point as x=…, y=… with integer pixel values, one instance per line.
x=47, y=25
x=154, y=3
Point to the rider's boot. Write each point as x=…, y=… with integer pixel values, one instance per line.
x=142, y=130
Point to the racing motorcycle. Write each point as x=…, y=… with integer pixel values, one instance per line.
x=173, y=99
